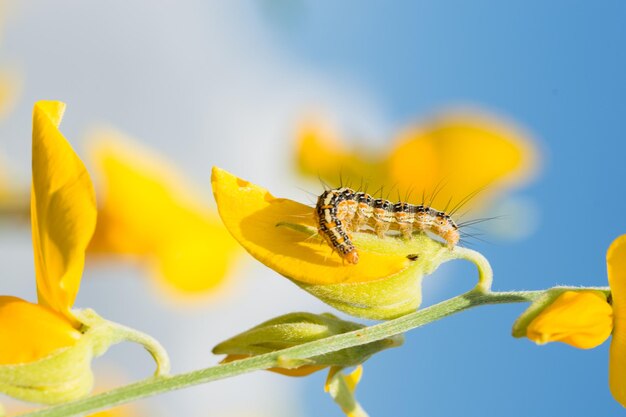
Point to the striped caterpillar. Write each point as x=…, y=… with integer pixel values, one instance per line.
x=341, y=211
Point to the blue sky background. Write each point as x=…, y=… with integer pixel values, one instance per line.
x=203, y=81
x=557, y=68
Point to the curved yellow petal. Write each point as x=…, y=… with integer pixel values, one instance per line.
x=616, y=266
x=148, y=212
x=253, y=216
x=583, y=319
x=321, y=153
x=386, y=281
x=29, y=332
x=63, y=210
x=461, y=154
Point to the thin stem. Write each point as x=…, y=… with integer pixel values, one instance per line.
x=153, y=347
x=485, y=273
x=111, y=333
x=160, y=384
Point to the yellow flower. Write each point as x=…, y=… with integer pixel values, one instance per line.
x=46, y=348
x=14, y=198
x=582, y=319
x=10, y=85
x=147, y=212
x=63, y=215
x=459, y=154
x=586, y=318
x=616, y=266
x=281, y=233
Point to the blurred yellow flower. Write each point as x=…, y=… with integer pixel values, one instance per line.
x=10, y=86
x=459, y=154
x=147, y=212
x=281, y=233
x=586, y=318
x=13, y=201
x=109, y=378
x=10, y=78
x=14, y=198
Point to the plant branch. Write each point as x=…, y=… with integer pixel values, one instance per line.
x=157, y=385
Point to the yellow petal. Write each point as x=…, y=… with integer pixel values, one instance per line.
x=63, y=210
x=616, y=265
x=354, y=377
x=583, y=319
x=149, y=212
x=462, y=154
x=304, y=370
x=10, y=86
x=341, y=388
x=332, y=372
x=29, y=332
x=384, y=284
x=252, y=215
x=457, y=154
x=321, y=153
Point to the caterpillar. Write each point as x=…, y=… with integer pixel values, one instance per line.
x=341, y=211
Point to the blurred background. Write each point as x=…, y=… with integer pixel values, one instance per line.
x=183, y=86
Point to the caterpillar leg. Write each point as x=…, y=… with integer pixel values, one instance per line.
x=381, y=227
x=348, y=226
x=406, y=229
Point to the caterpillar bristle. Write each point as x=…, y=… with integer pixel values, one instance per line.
x=438, y=187
x=341, y=211
x=466, y=200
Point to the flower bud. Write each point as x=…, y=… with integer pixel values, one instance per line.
x=295, y=329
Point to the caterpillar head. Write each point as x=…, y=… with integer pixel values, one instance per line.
x=352, y=256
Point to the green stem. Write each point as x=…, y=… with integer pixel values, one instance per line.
x=112, y=333
x=485, y=273
x=153, y=347
x=160, y=384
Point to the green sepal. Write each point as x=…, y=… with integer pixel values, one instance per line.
x=295, y=329
x=66, y=374
x=548, y=297
x=399, y=294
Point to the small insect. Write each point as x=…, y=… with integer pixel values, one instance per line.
x=341, y=211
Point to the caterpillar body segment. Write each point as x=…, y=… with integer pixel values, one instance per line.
x=341, y=211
